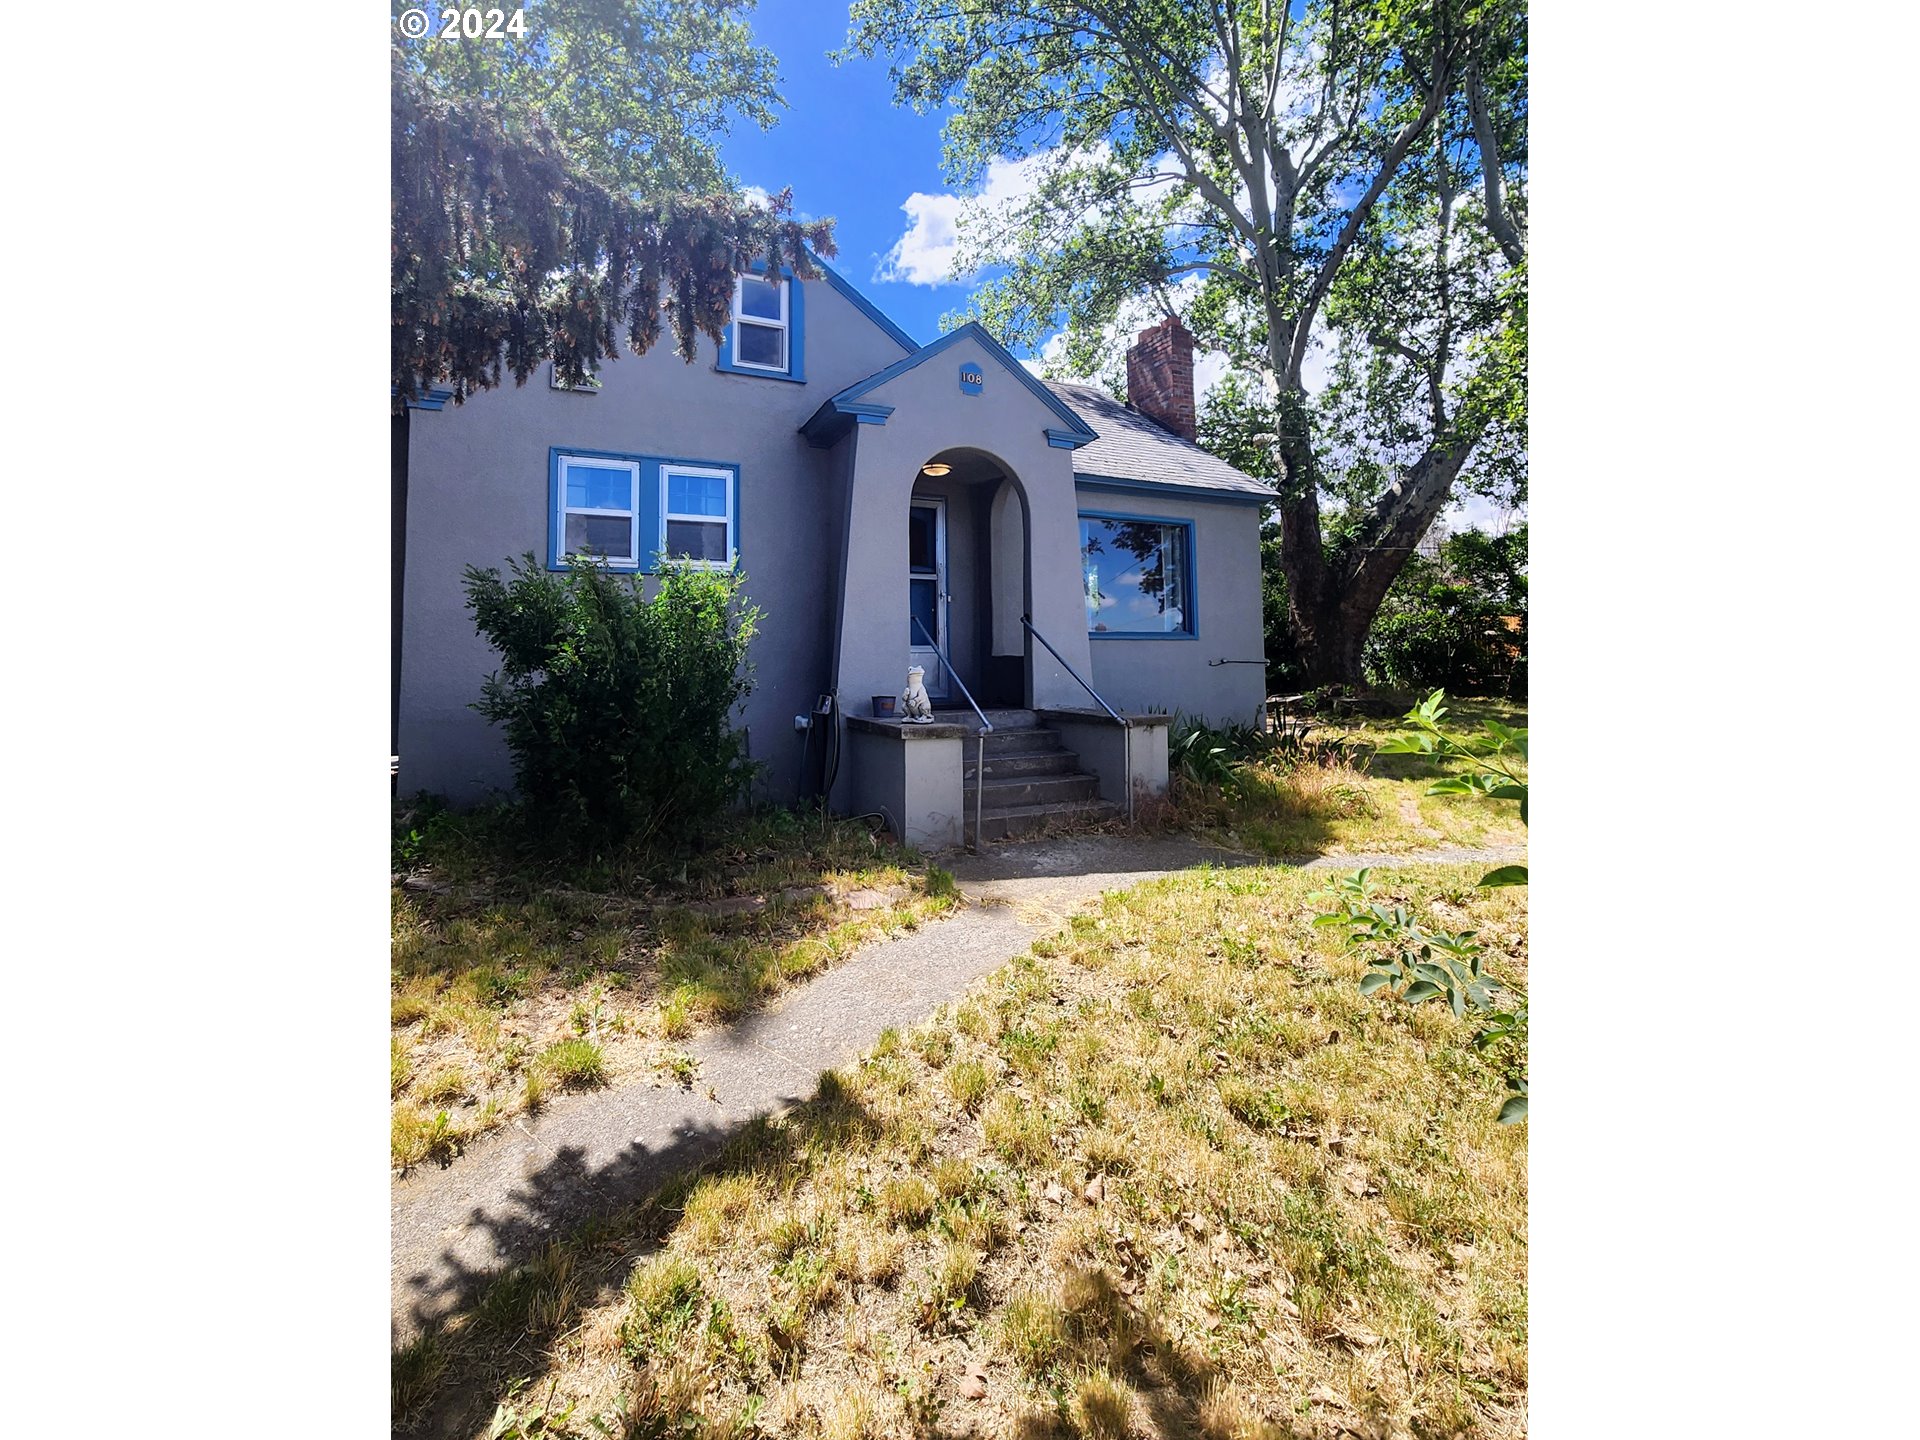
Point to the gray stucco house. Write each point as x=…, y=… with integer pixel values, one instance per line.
x=891, y=504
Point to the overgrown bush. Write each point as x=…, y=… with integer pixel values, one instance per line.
x=617, y=708
x=1219, y=757
x=1456, y=622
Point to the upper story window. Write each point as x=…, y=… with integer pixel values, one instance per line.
x=1138, y=576
x=760, y=323
x=766, y=336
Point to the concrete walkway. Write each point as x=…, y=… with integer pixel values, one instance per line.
x=588, y=1153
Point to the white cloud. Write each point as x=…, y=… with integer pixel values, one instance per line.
x=757, y=195
x=1477, y=512
x=925, y=254
x=1209, y=368
x=1052, y=350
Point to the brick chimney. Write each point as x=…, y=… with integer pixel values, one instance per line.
x=1160, y=376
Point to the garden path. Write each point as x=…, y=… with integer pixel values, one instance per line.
x=584, y=1154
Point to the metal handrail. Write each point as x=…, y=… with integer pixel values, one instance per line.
x=980, y=735
x=1124, y=723
x=952, y=674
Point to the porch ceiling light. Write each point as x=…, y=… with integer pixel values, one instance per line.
x=935, y=468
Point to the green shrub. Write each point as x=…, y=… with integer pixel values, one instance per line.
x=616, y=707
x=1447, y=637
x=1445, y=622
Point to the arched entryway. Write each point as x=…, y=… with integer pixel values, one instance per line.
x=968, y=574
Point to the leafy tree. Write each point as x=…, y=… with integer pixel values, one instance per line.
x=549, y=191
x=1352, y=171
x=636, y=92
x=1446, y=621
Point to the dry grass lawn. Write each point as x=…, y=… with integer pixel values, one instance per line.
x=506, y=987
x=1171, y=1174
x=1360, y=801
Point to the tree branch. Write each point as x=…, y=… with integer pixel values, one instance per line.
x=1505, y=233
x=1389, y=166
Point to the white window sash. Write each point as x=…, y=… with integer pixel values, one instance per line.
x=782, y=325
x=668, y=513
x=631, y=560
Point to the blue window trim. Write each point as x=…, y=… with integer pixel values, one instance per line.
x=796, y=335
x=652, y=503
x=436, y=398
x=1192, y=632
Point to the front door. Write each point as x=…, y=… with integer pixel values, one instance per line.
x=927, y=595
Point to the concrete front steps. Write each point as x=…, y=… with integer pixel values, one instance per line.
x=1033, y=782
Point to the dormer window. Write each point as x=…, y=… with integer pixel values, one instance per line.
x=764, y=337
x=760, y=323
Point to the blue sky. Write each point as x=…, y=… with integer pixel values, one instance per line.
x=847, y=152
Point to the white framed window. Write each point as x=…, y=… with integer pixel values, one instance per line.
x=696, y=505
x=597, y=509
x=762, y=324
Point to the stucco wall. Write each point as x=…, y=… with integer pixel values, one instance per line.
x=1174, y=674
x=478, y=483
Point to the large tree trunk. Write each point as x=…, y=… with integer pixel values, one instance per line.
x=1332, y=605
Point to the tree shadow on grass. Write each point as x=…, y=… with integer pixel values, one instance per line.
x=581, y=1233
x=565, y=1241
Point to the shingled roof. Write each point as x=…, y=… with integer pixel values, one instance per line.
x=1133, y=448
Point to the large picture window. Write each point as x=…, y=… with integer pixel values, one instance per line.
x=1137, y=575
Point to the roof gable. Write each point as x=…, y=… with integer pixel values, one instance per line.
x=1071, y=425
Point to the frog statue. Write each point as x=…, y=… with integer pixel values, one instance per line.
x=915, y=707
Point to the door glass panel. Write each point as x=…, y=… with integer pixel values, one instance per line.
x=920, y=550
x=920, y=600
